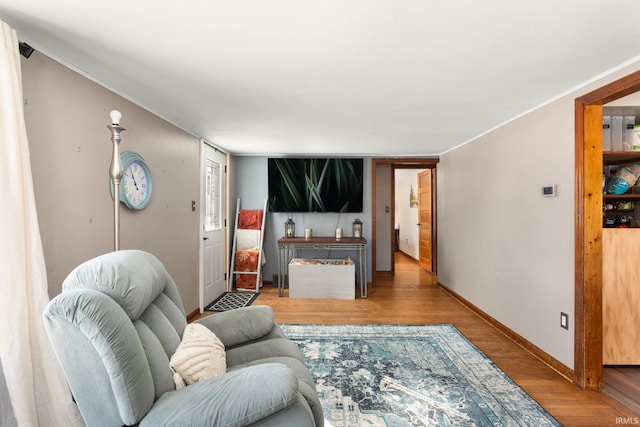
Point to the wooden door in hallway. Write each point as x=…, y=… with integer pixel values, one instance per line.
x=425, y=220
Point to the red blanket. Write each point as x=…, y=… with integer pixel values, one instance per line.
x=246, y=261
x=250, y=220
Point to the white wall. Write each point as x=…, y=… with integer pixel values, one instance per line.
x=66, y=117
x=501, y=245
x=252, y=188
x=407, y=217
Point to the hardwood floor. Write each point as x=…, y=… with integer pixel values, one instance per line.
x=412, y=296
x=623, y=384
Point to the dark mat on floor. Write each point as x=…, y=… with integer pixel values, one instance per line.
x=232, y=300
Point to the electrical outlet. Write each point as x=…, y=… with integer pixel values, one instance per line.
x=564, y=320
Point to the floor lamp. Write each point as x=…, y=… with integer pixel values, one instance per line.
x=115, y=174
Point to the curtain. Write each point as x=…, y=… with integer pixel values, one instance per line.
x=37, y=390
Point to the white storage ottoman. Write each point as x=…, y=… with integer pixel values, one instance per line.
x=322, y=278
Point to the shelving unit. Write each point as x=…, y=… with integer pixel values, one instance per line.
x=620, y=268
x=629, y=196
x=620, y=157
x=611, y=161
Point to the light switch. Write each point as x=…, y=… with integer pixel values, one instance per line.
x=564, y=320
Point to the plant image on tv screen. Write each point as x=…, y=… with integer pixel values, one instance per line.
x=315, y=185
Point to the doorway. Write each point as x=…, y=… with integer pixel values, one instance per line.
x=383, y=196
x=588, y=367
x=213, y=260
x=412, y=217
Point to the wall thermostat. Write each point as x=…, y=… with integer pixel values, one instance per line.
x=550, y=190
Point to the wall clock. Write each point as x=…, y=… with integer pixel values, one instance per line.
x=135, y=185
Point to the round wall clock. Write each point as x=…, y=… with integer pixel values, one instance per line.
x=135, y=185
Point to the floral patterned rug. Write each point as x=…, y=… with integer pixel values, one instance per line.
x=426, y=375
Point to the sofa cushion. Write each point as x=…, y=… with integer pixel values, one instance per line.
x=199, y=356
x=242, y=325
x=102, y=356
x=119, y=275
x=235, y=399
x=275, y=347
x=306, y=385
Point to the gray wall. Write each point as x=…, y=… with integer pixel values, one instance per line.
x=66, y=117
x=384, y=258
x=252, y=188
x=501, y=244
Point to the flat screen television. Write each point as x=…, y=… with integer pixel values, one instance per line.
x=315, y=185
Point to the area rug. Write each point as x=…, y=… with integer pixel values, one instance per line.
x=232, y=300
x=427, y=375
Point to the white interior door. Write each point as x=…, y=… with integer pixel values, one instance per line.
x=213, y=262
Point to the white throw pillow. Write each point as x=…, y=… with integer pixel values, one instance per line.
x=199, y=356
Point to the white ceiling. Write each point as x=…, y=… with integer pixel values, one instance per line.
x=373, y=77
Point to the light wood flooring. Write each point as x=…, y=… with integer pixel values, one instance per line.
x=412, y=296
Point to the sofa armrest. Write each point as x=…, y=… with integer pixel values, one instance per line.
x=240, y=326
x=237, y=398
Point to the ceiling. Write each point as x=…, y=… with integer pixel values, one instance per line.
x=366, y=77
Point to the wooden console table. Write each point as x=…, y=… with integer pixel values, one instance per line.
x=288, y=245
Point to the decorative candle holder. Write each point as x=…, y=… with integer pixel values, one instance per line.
x=357, y=229
x=289, y=229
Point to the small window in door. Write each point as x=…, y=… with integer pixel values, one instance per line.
x=213, y=201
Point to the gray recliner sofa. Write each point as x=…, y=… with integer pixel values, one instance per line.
x=115, y=327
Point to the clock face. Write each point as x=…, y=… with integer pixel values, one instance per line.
x=136, y=184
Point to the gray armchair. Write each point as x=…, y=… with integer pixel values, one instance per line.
x=117, y=323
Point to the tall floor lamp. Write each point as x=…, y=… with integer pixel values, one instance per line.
x=115, y=174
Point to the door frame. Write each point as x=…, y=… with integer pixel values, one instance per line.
x=225, y=211
x=588, y=228
x=400, y=163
